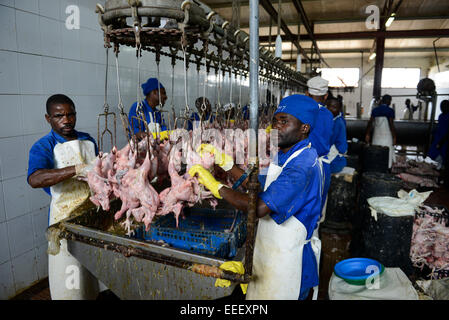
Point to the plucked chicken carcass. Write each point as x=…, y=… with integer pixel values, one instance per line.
x=430, y=240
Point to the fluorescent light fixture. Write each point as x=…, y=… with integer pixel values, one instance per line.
x=372, y=56
x=390, y=20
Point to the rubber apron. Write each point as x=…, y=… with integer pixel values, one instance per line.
x=382, y=137
x=278, y=250
x=68, y=279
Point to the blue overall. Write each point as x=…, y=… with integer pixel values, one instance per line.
x=156, y=115
x=297, y=192
x=320, y=137
x=339, y=140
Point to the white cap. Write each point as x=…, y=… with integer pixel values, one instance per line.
x=317, y=86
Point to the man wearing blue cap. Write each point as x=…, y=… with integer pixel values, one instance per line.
x=285, y=253
x=152, y=116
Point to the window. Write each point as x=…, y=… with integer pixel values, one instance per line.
x=341, y=77
x=442, y=79
x=400, y=77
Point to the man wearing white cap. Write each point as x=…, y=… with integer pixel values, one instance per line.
x=320, y=136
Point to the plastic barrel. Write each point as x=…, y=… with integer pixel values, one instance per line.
x=334, y=248
x=341, y=201
x=388, y=240
x=372, y=184
x=375, y=158
x=355, y=148
x=353, y=161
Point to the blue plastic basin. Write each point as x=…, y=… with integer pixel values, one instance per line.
x=357, y=270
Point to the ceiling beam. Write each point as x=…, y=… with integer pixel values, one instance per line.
x=361, y=35
x=266, y=4
x=367, y=50
x=228, y=4
x=305, y=21
x=345, y=20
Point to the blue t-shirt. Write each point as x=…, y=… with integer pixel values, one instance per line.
x=245, y=113
x=41, y=153
x=297, y=192
x=339, y=140
x=439, y=133
x=320, y=136
x=156, y=115
x=383, y=111
x=196, y=117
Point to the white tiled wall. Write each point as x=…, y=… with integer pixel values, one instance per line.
x=39, y=57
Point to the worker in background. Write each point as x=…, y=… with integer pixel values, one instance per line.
x=286, y=252
x=438, y=148
x=382, y=125
x=152, y=115
x=204, y=113
x=339, y=144
x=55, y=161
x=320, y=137
x=409, y=110
x=245, y=112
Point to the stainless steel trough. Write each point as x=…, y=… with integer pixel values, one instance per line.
x=135, y=269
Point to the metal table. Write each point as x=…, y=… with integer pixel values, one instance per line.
x=135, y=269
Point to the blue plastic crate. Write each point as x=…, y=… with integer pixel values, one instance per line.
x=213, y=232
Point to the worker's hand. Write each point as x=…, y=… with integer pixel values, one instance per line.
x=221, y=159
x=162, y=135
x=268, y=129
x=234, y=266
x=82, y=169
x=367, y=138
x=206, y=179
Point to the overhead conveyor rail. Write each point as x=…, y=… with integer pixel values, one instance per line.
x=192, y=24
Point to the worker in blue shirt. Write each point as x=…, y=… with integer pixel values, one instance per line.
x=204, y=113
x=245, y=112
x=152, y=115
x=286, y=255
x=320, y=136
x=381, y=123
x=438, y=148
x=55, y=161
x=339, y=144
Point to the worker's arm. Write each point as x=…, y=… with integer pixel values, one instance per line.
x=369, y=127
x=43, y=178
x=392, y=129
x=240, y=201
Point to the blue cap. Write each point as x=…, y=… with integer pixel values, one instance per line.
x=150, y=85
x=303, y=108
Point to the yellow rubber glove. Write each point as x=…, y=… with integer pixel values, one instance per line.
x=206, y=179
x=268, y=129
x=234, y=266
x=221, y=159
x=162, y=135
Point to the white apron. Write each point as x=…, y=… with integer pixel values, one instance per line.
x=277, y=260
x=382, y=137
x=68, y=279
x=153, y=126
